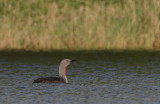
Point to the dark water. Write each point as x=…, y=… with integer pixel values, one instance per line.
x=98, y=77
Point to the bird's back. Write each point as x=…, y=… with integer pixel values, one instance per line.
x=49, y=80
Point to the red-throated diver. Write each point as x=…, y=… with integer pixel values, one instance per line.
x=62, y=74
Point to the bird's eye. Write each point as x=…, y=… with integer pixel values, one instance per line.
x=68, y=60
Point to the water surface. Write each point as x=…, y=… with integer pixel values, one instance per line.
x=98, y=77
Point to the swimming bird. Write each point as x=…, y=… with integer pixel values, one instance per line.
x=62, y=74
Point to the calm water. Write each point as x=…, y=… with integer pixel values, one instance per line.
x=98, y=77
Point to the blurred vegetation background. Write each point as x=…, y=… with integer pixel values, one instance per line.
x=79, y=24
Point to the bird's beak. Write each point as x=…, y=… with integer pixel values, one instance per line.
x=73, y=60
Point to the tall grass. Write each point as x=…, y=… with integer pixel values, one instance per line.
x=79, y=24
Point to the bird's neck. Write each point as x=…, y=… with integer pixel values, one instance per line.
x=62, y=73
x=65, y=79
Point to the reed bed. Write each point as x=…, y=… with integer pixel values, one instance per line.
x=79, y=24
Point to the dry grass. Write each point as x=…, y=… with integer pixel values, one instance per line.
x=128, y=24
